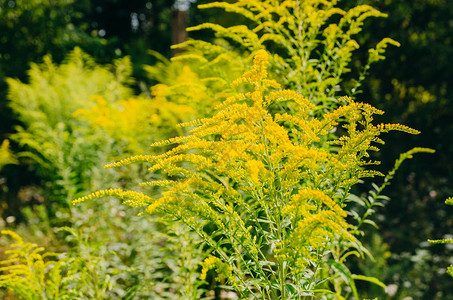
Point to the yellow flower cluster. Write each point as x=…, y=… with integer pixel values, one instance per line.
x=254, y=167
x=30, y=274
x=318, y=197
x=252, y=142
x=258, y=75
x=223, y=270
x=135, y=122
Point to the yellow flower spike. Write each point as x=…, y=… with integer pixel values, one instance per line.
x=254, y=167
x=133, y=198
x=130, y=160
x=304, y=195
x=277, y=134
x=14, y=236
x=258, y=72
x=158, y=203
x=327, y=221
x=396, y=127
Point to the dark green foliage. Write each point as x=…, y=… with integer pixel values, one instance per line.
x=413, y=86
x=105, y=29
x=29, y=30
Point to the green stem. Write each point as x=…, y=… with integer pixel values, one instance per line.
x=281, y=264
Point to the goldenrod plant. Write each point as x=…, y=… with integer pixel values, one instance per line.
x=109, y=255
x=449, y=201
x=150, y=257
x=263, y=181
x=33, y=274
x=137, y=122
x=262, y=177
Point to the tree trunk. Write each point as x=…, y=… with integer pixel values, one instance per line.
x=179, y=33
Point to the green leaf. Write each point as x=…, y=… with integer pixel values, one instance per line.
x=369, y=279
x=344, y=272
x=265, y=221
x=375, y=186
x=356, y=199
x=131, y=292
x=291, y=289
x=382, y=197
x=267, y=263
x=371, y=222
x=354, y=214
x=321, y=281
x=324, y=291
x=353, y=252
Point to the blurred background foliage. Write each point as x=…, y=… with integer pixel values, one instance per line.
x=413, y=86
x=65, y=137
